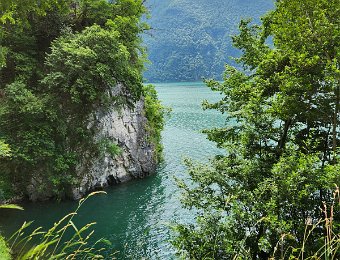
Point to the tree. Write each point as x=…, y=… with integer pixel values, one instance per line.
x=61, y=59
x=18, y=13
x=281, y=140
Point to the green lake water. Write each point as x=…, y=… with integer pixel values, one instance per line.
x=135, y=216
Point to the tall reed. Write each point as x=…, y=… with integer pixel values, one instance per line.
x=331, y=238
x=53, y=243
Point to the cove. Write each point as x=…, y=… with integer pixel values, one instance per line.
x=135, y=216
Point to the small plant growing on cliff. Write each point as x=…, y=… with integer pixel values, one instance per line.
x=154, y=112
x=107, y=146
x=114, y=150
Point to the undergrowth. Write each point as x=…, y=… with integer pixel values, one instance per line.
x=53, y=243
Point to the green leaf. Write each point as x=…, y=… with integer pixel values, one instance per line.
x=11, y=206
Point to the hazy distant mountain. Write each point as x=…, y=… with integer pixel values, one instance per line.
x=190, y=39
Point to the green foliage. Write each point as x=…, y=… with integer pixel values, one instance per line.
x=5, y=189
x=10, y=206
x=4, y=250
x=329, y=240
x=107, y=146
x=154, y=112
x=191, y=39
x=62, y=60
x=114, y=149
x=14, y=13
x=84, y=66
x=5, y=253
x=281, y=159
x=5, y=151
x=64, y=240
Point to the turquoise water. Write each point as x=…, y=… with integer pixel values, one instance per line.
x=135, y=216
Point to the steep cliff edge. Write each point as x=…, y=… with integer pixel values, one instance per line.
x=126, y=129
x=127, y=146
x=67, y=120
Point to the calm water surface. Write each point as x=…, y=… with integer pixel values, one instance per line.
x=135, y=216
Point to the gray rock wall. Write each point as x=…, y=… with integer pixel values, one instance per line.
x=127, y=128
x=122, y=125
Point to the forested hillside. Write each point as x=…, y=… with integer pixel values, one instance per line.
x=61, y=63
x=191, y=39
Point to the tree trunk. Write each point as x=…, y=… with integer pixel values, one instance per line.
x=283, y=139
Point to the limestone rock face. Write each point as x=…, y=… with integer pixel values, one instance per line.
x=125, y=127
x=122, y=125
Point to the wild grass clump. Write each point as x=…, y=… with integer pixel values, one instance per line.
x=53, y=243
x=330, y=241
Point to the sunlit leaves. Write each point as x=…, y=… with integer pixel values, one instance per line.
x=281, y=141
x=5, y=150
x=59, y=62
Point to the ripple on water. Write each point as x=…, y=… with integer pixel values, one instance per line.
x=135, y=216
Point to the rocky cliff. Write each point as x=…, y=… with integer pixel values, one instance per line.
x=126, y=128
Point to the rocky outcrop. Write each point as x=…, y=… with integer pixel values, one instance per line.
x=126, y=127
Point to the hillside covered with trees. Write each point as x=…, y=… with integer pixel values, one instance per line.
x=190, y=39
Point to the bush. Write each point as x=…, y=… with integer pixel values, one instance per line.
x=154, y=112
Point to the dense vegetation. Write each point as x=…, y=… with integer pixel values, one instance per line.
x=190, y=39
x=155, y=113
x=276, y=182
x=4, y=250
x=59, y=60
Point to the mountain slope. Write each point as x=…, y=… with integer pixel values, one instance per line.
x=190, y=39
